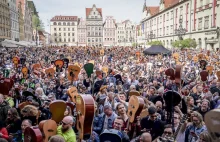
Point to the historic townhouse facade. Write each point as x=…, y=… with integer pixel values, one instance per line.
x=21, y=22
x=109, y=29
x=199, y=18
x=125, y=33
x=94, y=26
x=14, y=20
x=81, y=32
x=27, y=16
x=5, y=27
x=63, y=30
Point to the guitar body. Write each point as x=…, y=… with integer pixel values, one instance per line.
x=171, y=73
x=135, y=93
x=204, y=74
x=218, y=75
x=212, y=119
x=135, y=107
x=49, y=129
x=57, y=108
x=50, y=73
x=85, y=107
x=89, y=69
x=41, y=125
x=24, y=70
x=73, y=72
x=111, y=136
x=73, y=93
x=32, y=134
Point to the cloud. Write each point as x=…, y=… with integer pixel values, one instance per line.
x=119, y=9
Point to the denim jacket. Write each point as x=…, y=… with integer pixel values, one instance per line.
x=197, y=131
x=97, y=123
x=110, y=120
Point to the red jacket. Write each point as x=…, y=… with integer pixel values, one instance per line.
x=5, y=133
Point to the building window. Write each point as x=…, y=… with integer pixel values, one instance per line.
x=64, y=34
x=88, y=40
x=64, y=23
x=64, y=29
x=59, y=23
x=168, y=16
x=59, y=34
x=73, y=39
x=68, y=29
x=55, y=40
x=69, y=40
x=201, y=3
x=64, y=39
x=55, y=29
x=59, y=29
x=200, y=24
x=171, y=15
x=60, y=40
x=55, y=34
x=72, y=34
x=54, y=23
x=181, y=10
x=68, y=34
x=206, y=24
x=72, y=29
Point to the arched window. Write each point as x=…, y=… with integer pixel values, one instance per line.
x=64, y=23
x=59, y=23
x=54, y=23
x=73, y=24
x=68, y=24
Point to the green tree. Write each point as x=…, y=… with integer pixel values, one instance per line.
x=157, y=42
x=37, y=23
x=186, y=43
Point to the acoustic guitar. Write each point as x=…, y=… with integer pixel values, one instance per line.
x=135, y=107
x=218, y=75
x=85, y=107
x=73, y=93
x=134, y=93
x=73, y=72
x=24, y=70
x=32, y=134
x=57, y=109
x=102, y=52
x=212, y=119
x=209, y=69
x=49, y=129
x=105, y=70
x=50, y=73
x=170, y=72
x=15, y=61
x=59, y=65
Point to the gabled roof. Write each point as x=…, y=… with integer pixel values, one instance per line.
x=168, y=3
x=64, y=18
x=153, y=9
x=88, y=10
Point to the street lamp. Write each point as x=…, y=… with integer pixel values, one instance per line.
x=151, y=35
x=181, y=31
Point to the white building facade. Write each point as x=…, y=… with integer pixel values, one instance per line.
x=63, y=30
x=28, y=29
x=81, y=32
x=125, y=33
x=94, y=26
x=199, y=18
x=109, y=29
x=14, y=20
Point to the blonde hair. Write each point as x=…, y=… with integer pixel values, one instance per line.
x=205, y=135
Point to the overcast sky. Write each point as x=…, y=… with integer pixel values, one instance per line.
x=119, y=9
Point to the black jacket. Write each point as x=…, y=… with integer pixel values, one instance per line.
x=4, y=107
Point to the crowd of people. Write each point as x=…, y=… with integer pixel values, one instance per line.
x=128, y=70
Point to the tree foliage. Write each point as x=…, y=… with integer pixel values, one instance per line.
x=157, y=42
x=186, y=43
x=37, y=23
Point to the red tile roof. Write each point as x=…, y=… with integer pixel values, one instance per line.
x=168, y=3
x=153, y=9
x=64, y=18
x=88, y=10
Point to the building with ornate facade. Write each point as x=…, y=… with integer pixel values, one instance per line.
x=94, y=26
x=21, y=22
x=63, y=30
x=173, y=19
x=125, y=33
x=5, y=26
x=14, y=20
x=81, y=30
x=109, y=29
x=27, y=16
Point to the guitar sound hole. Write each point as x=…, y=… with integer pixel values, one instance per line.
x=130, y=113
x=50, y=130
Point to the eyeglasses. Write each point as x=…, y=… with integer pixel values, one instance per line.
x=167, y=132
x=63, y=123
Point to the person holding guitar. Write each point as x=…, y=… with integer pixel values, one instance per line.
x=65, y=130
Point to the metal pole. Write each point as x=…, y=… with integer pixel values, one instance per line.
x=36, y=36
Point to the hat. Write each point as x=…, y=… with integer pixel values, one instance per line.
x=103, y=87
x=29, y=98
x=151, y=110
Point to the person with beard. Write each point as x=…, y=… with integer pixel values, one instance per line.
x=66, y=131
x=204, y=108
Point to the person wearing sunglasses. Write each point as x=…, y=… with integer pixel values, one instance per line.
x=66, y=131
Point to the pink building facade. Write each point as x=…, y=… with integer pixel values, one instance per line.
x=109, y=31
x=81, y=32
